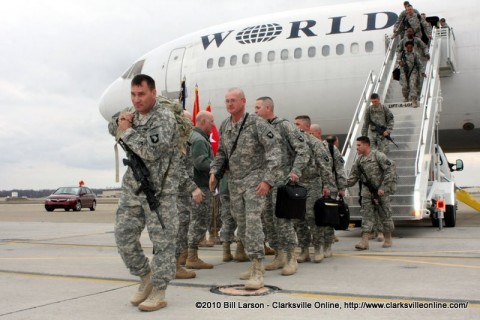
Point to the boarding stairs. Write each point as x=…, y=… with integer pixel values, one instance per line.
x=414, y=131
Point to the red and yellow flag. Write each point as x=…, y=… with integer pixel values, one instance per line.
x=196, y=106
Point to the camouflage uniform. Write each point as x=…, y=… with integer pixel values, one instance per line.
x=184, y=203
x=318, y=175
x=295, y=156
x=257, y=158
x=340, y=183
x=202, y=156
x=419, y=46
x=398, y=27
x=381, y=115
x=410, y=74
x=154, y=138
x=227, y=233
x=381, y=172
x=414, y=21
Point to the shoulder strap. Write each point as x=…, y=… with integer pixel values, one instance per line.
x=234, y=146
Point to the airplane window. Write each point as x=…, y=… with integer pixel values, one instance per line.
x=136, y=69
x=325, y=51
x=354, y=48
x=369, y=46
x=297, y=54
x=284, y=54
x=258, y=57
x=271, y=55
x=209, y=63
x=340, y=49
x=233, y=60
x=125, y=74
x=245, y=58
x=312, y=51
x=221, y=62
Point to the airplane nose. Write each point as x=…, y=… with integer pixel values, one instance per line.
x=115, y=98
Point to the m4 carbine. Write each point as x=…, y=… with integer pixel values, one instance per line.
x=380, y=129
x=142, y=176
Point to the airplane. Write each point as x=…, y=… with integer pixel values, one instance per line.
x=311, y=62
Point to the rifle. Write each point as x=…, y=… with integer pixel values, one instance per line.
x=142, y=175
x=380, y=129
x=370, y=185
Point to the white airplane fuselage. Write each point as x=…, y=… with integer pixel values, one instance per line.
x=312, y=62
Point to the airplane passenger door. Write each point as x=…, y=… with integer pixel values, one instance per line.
x=174, y=73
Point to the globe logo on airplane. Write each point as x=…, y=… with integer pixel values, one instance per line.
x=260, y=33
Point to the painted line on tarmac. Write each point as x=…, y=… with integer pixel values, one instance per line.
x=297, y=293
x=393, y=258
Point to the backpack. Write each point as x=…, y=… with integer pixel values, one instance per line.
x=392, y=188
x=184, y=126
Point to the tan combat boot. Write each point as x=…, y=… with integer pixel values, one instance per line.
x=291, y=265
x=380, y=237
x=227, y=254
x=182, y=259
x=363, y=244
x=240, y=254
x=304, y=255
x=327, y=251
x=256, y=278
x=268, y=251
x=318, y=255
x=182, y=273
x=414, y=102
x=206, y=243
x=194, y=262
x=143, y=290
x=245, y=275
x=278, y=262
x=155, y=301
x=388, y=240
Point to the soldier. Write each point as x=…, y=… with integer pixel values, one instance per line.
x=187, y=190
x=411, y=68
x=419, y=45
x=400, y=20
x=150, y=131
x=318, y=180
x=375, y=116
x=340, y=181
x=202, y=156
x=280, y=232
x=412, y=19
x=253, y=166
x=376, y=174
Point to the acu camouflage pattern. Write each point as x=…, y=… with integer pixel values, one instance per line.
x=381, y=172
x=339, y=175
x=410, y=81
x=418, y=45
x=184, y=202
x=257, y=158
x=154, y=138
x=229, y=225
x=382, y=116
x=414, y=21
x=317, y=176
x=280, y=233
x=397, y=26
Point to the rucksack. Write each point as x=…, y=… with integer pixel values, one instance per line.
x=184, y=125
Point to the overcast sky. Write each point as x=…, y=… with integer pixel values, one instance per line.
x=57, y=57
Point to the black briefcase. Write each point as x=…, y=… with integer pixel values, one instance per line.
x=291, y=202
x=344, y=216
x=326, y=212
x=396, y=74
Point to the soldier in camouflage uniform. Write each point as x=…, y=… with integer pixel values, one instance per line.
x=411, y=68
x=319, y=180
x=378, y=114
x=420, y=47
x=253, y=171
x=187, y=190
x=338, y=187
x=150, y=131
x=202, y=156
x=380, y=171
x=396, y=27
x=280, y=232
x=412, y=19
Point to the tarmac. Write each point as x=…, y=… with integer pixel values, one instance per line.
x=64, y=265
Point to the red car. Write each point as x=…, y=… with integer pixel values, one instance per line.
x=74, y=198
